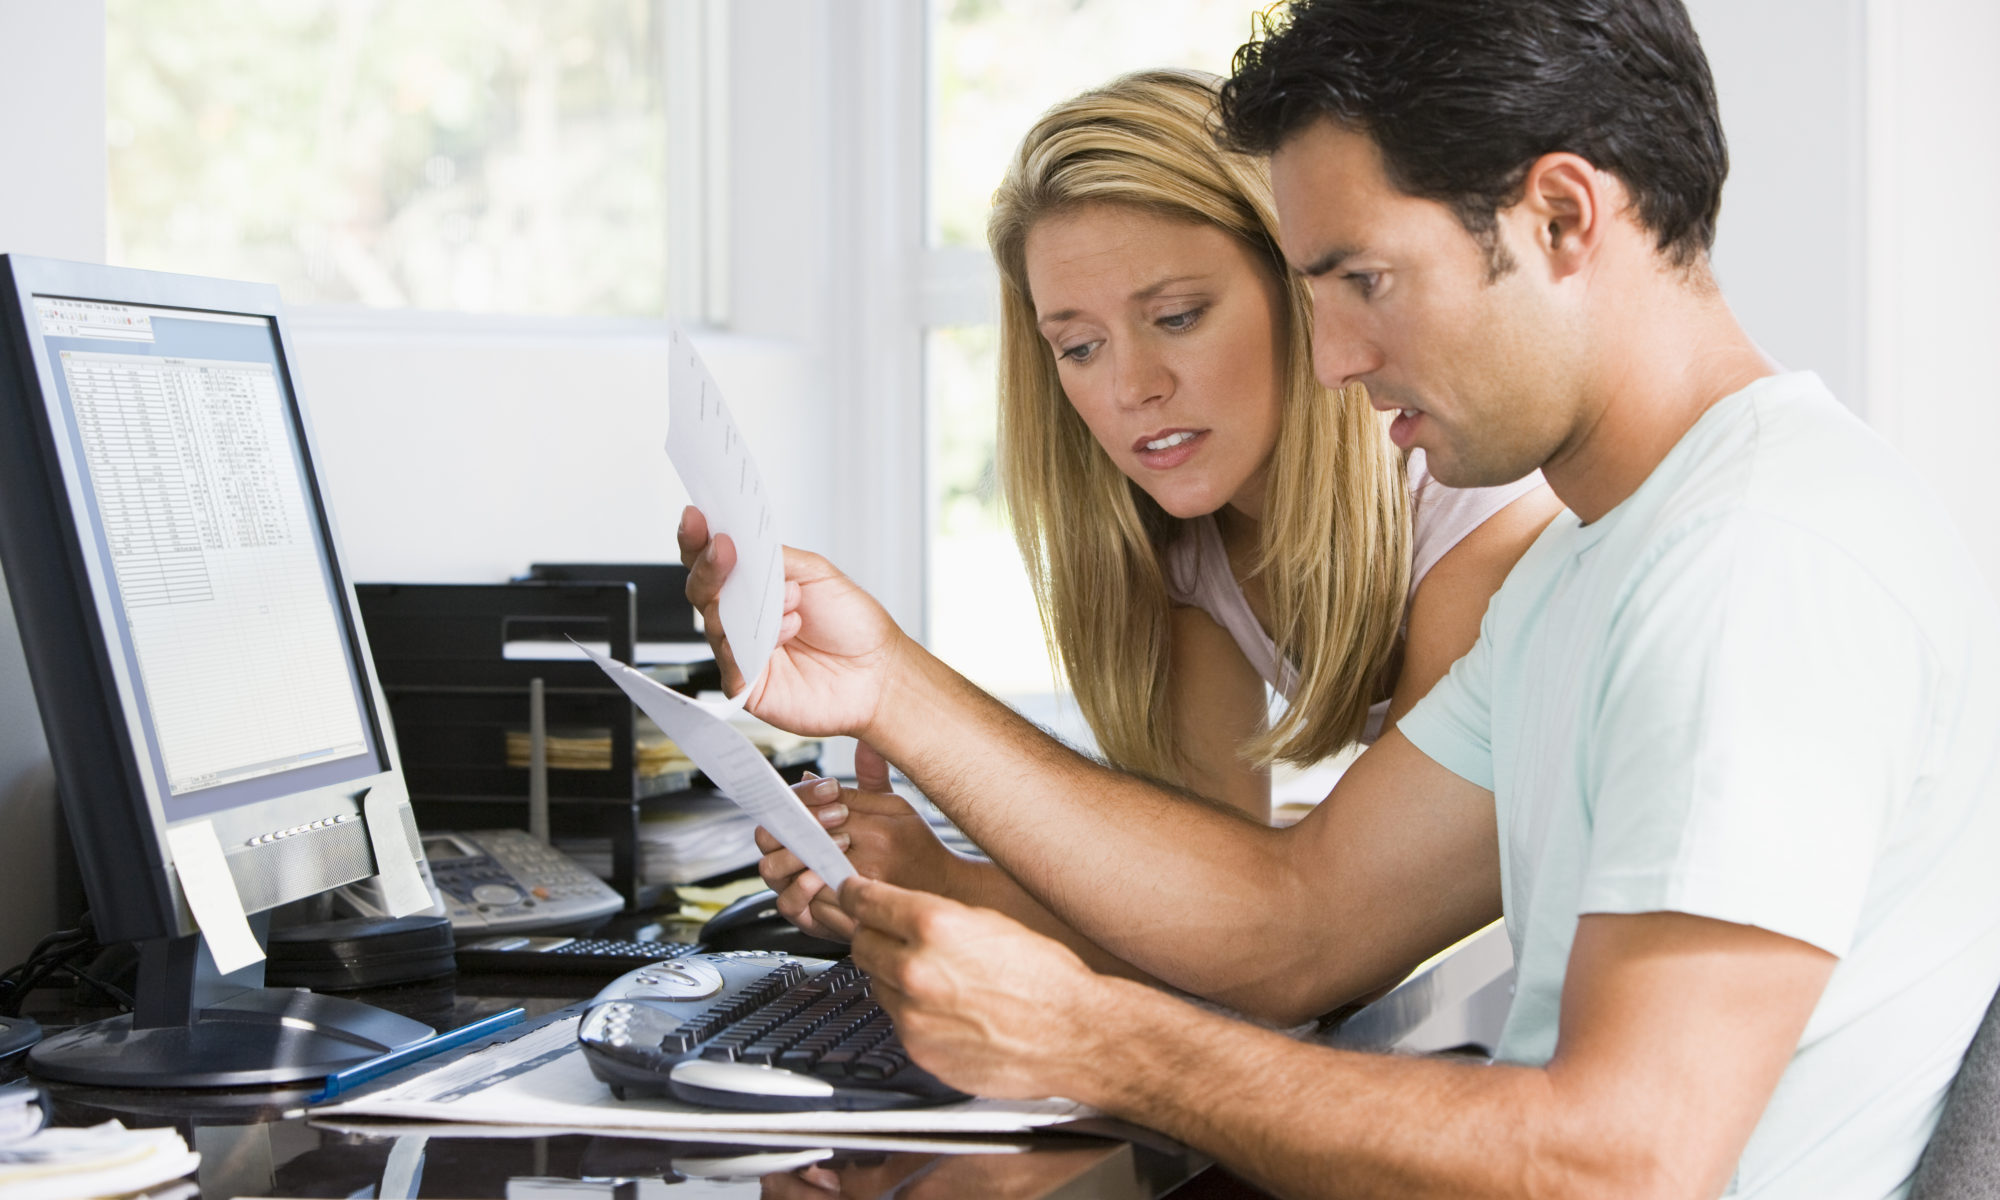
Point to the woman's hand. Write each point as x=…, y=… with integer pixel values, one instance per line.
x=883, y=836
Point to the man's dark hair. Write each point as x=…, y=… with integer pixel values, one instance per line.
x=1462, y=96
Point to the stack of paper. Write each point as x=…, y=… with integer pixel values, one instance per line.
x=101, y=1160
x=655, y=752
x=591, y=751
x=701, y=835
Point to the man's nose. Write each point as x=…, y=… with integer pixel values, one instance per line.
x=1339, y=356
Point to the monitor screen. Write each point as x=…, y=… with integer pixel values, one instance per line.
x=210, y=538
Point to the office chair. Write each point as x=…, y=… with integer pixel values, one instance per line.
x=1962, y=1161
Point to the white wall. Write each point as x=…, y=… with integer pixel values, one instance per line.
x=826, y=233
x=1857, y=234
x=51, y=66
x=1933, y=307
x=459, y=450
x=1789, y=250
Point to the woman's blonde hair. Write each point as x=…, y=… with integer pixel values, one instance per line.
x=1335, y=535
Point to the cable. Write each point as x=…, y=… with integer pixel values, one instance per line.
x=56, y=953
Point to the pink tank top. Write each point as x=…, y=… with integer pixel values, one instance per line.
x=1198, y=573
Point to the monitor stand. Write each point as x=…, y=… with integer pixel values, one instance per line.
x=193, y=1027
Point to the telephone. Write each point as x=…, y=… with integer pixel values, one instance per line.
x=500, y=881
x=753, y=923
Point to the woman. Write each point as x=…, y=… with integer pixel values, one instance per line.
x=1200, y=518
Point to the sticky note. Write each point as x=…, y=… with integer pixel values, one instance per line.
x=211, y=894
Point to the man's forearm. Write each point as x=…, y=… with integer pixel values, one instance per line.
x=988, y=886
x=1106, y=853
x=1307, y=1120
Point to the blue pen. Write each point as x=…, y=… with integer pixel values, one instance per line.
x=382, y=1064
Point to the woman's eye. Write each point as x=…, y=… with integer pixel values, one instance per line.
x=1181, y=322
x=1365, y=282
x=1079, y=353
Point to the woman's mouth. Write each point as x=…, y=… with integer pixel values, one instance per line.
x=1169, y=448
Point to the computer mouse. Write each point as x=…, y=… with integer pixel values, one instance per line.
x=753, y=923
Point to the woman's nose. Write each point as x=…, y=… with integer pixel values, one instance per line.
x=1142, y=378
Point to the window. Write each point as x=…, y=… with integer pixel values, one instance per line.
x=994, y=68
x=471, y=155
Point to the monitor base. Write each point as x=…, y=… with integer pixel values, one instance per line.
x=257, y=1036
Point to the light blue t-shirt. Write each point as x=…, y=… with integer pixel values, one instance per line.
x=1764, y=689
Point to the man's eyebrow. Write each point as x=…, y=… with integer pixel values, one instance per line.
x=1328, y=261
x=1145, y=293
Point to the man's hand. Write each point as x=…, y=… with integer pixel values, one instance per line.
x=837, y=647
x=883, y=836
x=979, y=1000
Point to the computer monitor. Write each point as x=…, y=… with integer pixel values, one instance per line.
x=197, y=656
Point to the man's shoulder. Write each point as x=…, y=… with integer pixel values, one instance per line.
x=1787, y=472
x=1784, y=448
x=1784, y=453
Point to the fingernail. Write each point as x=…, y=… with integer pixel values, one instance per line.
x=826, y=789
x=843, y=841
x=809, y=773
x=832, y=814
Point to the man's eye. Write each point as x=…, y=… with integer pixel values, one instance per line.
x=1181, y=322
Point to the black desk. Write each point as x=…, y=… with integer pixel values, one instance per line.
x=261, y=1143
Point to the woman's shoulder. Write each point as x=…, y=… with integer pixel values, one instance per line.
x=1190, y=562
x=1441, y=515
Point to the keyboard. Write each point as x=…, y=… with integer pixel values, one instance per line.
x=753, y=1029
x=566, y=955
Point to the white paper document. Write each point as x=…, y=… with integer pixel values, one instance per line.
x=736, y=766
x=365, y=1124
x=396, y=854
x=65, y=1162
x=542, y=1079
x=714, y=463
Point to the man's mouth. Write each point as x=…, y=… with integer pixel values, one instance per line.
x=1403, y=430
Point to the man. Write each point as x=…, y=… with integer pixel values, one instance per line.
x=1723, y=754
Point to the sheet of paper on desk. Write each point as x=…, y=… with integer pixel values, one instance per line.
x=542, y=1079
x=735, y=766
x=714, y=462
x=889, y=1143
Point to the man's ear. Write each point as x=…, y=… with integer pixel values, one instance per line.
x=1565, y=210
